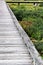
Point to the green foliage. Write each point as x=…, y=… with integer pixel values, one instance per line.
x=39, y=46
x=31, y=20
x=19, y=12
x=41, y=4
x=35, y=17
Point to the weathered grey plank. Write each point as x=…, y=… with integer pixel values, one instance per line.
x=12, y=47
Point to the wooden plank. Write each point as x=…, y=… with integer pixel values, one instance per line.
x=12, y=47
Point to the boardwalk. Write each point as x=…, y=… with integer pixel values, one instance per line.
x=15, y=46
x=12, y=48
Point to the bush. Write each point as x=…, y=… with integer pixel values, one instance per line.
x=32, y=22
x=41, y=4
x=33, y=16
x=39, y=46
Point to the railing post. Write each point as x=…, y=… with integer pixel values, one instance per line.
x=18, y=4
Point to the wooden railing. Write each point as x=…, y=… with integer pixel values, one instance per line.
x=26, y=2
x=33, y=2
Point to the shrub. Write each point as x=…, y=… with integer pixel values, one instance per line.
x=39, y=46
x=32, y=22
x=34, y=16
x=41, y=4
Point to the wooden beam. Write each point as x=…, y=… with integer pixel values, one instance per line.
x=26, y=2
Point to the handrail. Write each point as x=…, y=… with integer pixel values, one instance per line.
x=25, y=2
x=31, y=48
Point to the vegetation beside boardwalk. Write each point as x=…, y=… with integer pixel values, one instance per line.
x=31, y=19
